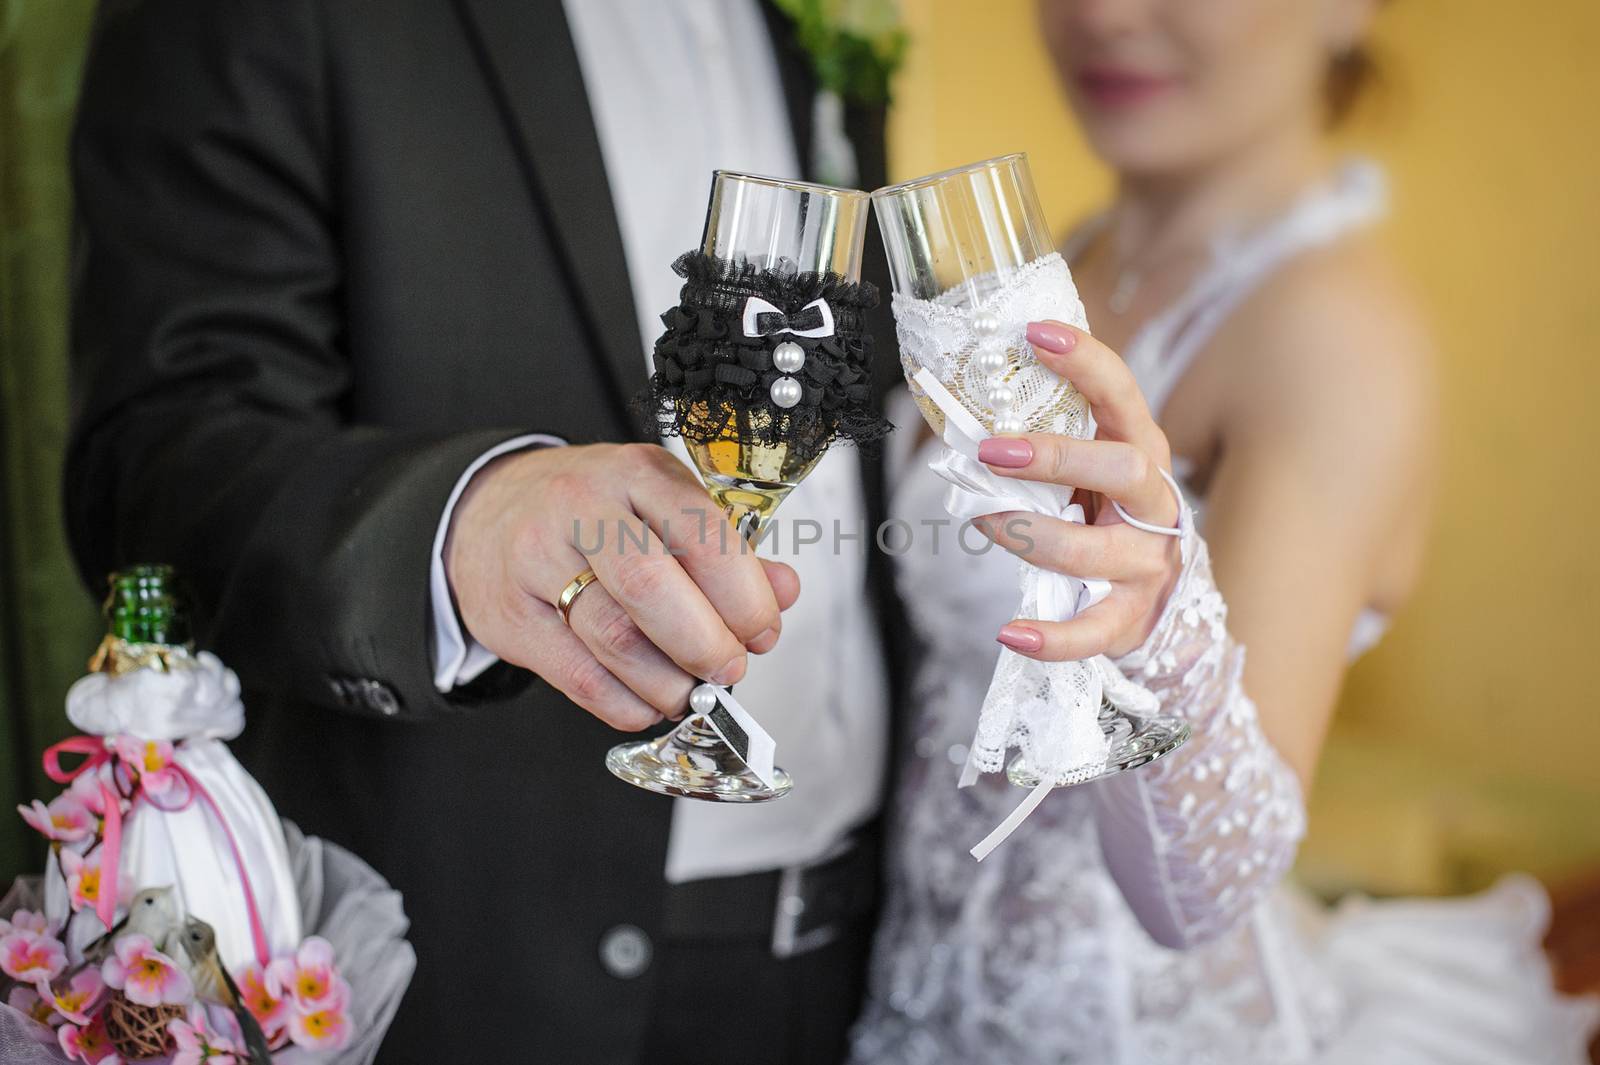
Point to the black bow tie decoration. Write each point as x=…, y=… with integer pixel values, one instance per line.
x=764, y=356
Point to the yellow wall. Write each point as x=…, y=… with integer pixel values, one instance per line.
x=1468, y=743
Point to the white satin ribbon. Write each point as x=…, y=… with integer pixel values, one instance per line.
x=759, y=748
x=976, y=490
x=1021, y=813
x=755, y=306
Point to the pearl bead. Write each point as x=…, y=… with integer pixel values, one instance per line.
x=992, y=361
x=1001, y=397
x=1009, y=423
x=985, y=323
x=703, y=699
x=788, y=357
x=786, y=392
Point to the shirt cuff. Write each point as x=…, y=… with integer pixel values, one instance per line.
x=457, y=658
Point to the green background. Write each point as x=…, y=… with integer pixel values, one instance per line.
x=48, y=624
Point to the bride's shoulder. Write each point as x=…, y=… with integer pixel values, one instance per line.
x=1338, y=333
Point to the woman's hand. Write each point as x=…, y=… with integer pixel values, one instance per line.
x=1122, y=463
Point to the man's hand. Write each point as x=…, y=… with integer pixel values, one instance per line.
x=684, y=607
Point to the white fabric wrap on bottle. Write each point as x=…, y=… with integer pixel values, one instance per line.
x=1050, y=710
x=187, y=849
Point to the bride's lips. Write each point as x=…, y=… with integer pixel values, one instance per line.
x=1113, y=87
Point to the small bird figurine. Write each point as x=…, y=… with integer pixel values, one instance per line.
x=153, y=913
x=211, y=981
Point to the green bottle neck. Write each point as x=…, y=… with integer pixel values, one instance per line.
x=147, y=620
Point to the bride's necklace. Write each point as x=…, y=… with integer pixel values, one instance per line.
x=1130, y=274
x=1150, y=259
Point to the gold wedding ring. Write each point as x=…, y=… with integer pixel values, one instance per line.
x=571, y=592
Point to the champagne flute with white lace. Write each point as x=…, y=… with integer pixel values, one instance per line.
x=972, y=264
x=764, y=364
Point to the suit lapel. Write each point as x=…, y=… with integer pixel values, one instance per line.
x=798, y=81
x=533, y=67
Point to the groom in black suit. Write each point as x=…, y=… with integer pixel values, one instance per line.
x=330, y=255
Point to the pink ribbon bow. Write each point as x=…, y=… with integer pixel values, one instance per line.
x=96, y=754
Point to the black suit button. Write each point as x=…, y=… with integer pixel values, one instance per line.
x=380, y=697
x=625, y=951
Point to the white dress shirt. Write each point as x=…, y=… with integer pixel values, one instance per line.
x=678, y=90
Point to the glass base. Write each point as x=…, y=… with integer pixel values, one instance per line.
x=692, y=762
x=1134, y=741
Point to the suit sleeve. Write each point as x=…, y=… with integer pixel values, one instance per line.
x=210, y=376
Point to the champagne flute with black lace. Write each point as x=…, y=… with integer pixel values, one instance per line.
x=763, y=365
x=972, y=264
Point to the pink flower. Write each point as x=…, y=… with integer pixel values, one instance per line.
x=308, y=978
x=25, y=999
x=31, y=956
x=196, y=1045
x=147, y=976
x=83, y=878
x=150, y=761
x=79, y=998
x=86, y=788
x=65, y=820
x=325, y=1027
x=269, y=1009
x=88, y=1042
x=26, y=921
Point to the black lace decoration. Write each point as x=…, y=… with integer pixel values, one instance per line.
x=714, y=382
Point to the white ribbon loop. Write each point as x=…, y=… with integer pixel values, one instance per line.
x=763, y=319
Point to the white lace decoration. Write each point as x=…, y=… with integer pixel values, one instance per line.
x=939, y=334
x=951, y=351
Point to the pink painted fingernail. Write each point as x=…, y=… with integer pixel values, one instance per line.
x=1008, y=452
x=1021, y=638
x=1052, y=337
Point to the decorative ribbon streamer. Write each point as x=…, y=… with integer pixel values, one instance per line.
x=98, y=753
x=1023, y=811
x=742, y=733
x=763, y=319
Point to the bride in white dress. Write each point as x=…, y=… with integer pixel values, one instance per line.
x=1146, y=919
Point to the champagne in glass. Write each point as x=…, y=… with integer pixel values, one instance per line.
x=748, y=480
x=752, y=453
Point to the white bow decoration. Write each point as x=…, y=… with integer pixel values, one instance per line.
x=762, y=319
